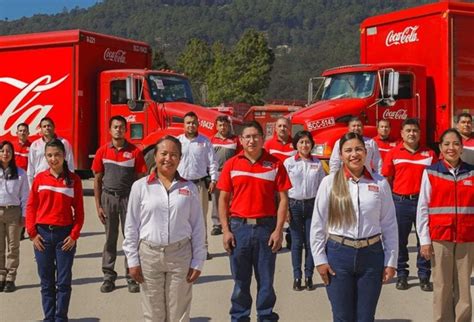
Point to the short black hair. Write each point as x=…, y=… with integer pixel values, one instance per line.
x=411, y=121
x=47, y=119
x=191, y=114
x=384, y=120
x=119, y=118
x=168, y=138
x=300, y=135
x=464, y=114
x=23, y=124
x=253, y=124
x=354, y=119
x=223, y=118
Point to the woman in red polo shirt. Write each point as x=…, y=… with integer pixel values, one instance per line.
x=445, y=224
x=54, y=218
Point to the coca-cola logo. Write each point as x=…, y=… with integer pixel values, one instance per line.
x=409, y=34
x=118, y=56
x=400, y=114
x=22, y=105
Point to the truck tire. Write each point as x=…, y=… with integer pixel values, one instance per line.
x=150, y=159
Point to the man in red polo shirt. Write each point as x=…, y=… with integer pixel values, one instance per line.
x=280, y=144
x=22, y=146
x=116, y=166
x=383, y=140
x=403, y=166
x=464, y=126
x=252, y=226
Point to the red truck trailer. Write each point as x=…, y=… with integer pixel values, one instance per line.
x=80, y=79
x=417, y=62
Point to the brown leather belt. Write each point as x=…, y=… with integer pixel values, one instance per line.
x=355, y=243
x=254, y=221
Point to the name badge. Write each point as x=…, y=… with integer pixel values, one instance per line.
x=373, y=188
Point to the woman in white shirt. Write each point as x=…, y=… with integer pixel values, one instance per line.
x=164, y=236
x=13, y=197
x=354, y=237
x=305, y=172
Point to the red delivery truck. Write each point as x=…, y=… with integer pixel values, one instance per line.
x=417, y=62
x=80, y=79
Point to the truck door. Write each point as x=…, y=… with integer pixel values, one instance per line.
x=405, y=104
x=134, y=114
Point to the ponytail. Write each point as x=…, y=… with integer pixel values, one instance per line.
x=67, y=173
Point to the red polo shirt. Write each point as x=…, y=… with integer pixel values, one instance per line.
x=21, y=154
x=278, y=149
x=120, y=167
x=253, y=185
x=406, y=168
x=385, y=145
x=51, y=202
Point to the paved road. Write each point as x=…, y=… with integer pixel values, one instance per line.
x=211, y=292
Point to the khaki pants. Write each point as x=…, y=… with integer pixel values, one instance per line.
x=451, y=268
x=204, y=198
x=10, y=229
x=166, y=295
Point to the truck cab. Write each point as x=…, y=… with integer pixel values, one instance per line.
x=153, y=102
x=371, y=92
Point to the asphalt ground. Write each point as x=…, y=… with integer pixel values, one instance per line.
x=211, y=293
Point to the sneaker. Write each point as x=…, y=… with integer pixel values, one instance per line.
x=402, y=283
x=9, y=287
x=107, y=287
x=133, y=287
x=425, y=285
x=216, y=230
x=2, y=286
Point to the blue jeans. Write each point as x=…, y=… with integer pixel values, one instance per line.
x=300, y=224
x=406, y=219
x=252, y=252
x=55, y=272
x=355, y=289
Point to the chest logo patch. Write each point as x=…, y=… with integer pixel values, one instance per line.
x=184, y=192
x=425, y=153
x=127, y=155
x=467, y=182
x=267, y=164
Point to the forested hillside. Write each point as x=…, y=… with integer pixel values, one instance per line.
x=307, y=36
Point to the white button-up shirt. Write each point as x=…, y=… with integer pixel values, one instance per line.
x=373, y=162
x=164, y=217
x=305, y=176
x=198, y=156
x=37, y=161
x=14, y=192
x=374, y=214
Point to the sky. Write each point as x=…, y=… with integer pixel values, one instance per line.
x=15, y=9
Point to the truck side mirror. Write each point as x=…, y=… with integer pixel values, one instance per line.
x=130, y=87
x=393, y=78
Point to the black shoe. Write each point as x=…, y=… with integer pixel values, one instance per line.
x=107, y=287
x=133, y=287
x=216, y=230
x=425, y=285
x=2, y=286
x=297, y=285
x=208, y=256
x=309, y=283
x=402, y=283
x=9, y=287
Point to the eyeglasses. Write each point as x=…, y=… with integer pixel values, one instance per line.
x=255, y=137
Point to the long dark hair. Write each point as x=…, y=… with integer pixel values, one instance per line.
x=12, y=172
x=56, y=143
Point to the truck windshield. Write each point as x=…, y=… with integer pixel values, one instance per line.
x=352, y=85
x=169, y=88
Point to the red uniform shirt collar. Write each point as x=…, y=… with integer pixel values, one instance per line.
x=298, y=157
x=112, y=146
x=366, y=174
x=154, y=177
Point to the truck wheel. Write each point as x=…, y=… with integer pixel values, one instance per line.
x=150, y=160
